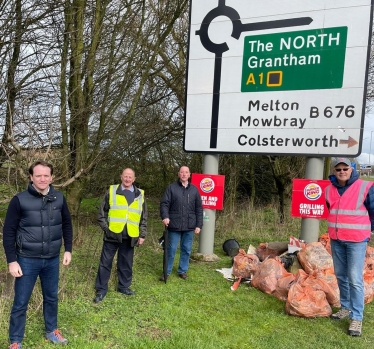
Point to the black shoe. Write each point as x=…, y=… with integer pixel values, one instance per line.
x=162, y=277
x=99, y=297
x=127, y=292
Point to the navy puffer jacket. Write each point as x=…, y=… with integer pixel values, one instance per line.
x=182, y=205
x=39, y=232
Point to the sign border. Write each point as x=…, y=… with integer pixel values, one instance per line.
x=363, y=112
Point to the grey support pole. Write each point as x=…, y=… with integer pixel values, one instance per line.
x=310, y=226
x=206, y=238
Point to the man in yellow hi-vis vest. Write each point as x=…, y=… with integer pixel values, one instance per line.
x=123, y=218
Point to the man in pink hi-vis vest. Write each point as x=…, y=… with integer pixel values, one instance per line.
x=350, y=222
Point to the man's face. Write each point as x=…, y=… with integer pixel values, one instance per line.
x=184, y=173
x=41, y=177
x=342, y=172
x=127, y=178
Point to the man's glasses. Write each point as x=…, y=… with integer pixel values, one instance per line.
x=341, y=169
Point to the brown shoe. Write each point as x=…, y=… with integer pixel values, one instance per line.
x=183, y=276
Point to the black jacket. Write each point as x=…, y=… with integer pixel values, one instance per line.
x=35, y=225
x=102, y=219
x=182, y=205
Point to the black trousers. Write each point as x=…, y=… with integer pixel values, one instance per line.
x=125, y=260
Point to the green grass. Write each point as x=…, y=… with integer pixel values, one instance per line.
x=199, y=313
x=367, y=178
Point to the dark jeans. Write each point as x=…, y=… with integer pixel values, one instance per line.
x=124, y=265
x=48, y=272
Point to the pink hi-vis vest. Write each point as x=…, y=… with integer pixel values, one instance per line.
x=349, y=219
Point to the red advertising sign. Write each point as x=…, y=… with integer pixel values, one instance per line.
x=211, y=188
x=308, y=198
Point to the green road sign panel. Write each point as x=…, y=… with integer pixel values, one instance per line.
x=301, y=60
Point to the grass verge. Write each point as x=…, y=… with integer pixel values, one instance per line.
x=198, y=313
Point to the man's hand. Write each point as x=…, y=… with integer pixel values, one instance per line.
x=67, y=258
x=140, y=241
x=15, y=269
x=166, y=221
x=197, y=230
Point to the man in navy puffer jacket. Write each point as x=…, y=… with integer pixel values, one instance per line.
x=37, y=222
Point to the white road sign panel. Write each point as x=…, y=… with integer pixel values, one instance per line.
x=277, y=77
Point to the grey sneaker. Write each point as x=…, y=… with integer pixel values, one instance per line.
x=355, y=328
x=56, y=337
x=343, y=313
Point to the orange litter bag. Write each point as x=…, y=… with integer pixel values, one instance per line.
x=283, y=286
x=314, y=256
x=268, y=274
x=306, y=299
x=324, y=239
x=245, y=265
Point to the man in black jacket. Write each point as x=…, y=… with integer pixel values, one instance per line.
x=37, y=222
x=123, y=218
x=182, y=213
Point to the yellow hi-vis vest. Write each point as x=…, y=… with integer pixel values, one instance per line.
x=120, y=213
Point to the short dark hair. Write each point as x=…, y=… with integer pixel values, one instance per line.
x=42, y=163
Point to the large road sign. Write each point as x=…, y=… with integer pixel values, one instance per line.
x=277, y=77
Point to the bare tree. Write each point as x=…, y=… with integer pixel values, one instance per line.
x=370, y=86
x=79, y=76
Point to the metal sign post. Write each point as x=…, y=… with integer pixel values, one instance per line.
x=206, y=238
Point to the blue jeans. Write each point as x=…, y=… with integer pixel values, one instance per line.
x=186, y=239
x=48, y=272
x=349, y=259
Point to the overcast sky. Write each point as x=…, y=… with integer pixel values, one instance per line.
x=367, y=141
